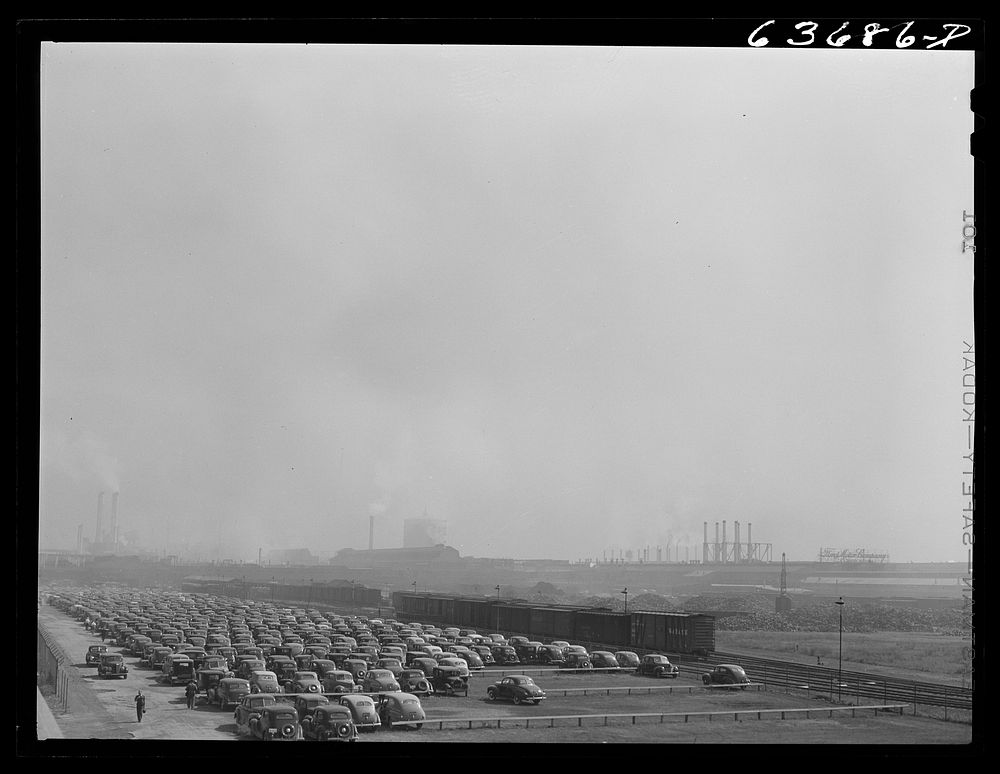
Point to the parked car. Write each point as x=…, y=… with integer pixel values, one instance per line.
x=393, y=651
x=208, y=681
x=727, y=674
x=528, y=651
x=400, y=708
x=247, y=666
x=357, y=667
x=250, y=706
x=520, y=689
x=112, y=665
x=379, y=681
x=550, y=655
x=306, y=703
x=657, y=665
x=604, y=659
x=304, y=682
x=330, y=723
x=323, y=665
x=94, y=654
x=456, y=662
x=264, y=681
x=394, y=665
x=484, y=653
x=627, y=659
x=181, y=671
x=339, y=681
x=230, y=691
x=425, y=664
x=363, y=711
x=157, y=655
x=472, y=660
x=283, y=667
x=449, y=681
x=576, y=661
x=276, y=722
x=505, y=654
x=215, y=662
x=414, y=681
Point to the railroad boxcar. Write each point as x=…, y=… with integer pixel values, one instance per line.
x=552, y=622
x=515, y=616
x=602, y=626
x=475, y=613
x=674, y=632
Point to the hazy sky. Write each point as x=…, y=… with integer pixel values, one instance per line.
x=564, y=298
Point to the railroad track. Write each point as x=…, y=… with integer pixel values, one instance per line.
x=774, y=673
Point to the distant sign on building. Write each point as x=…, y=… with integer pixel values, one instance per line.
x=424, y=533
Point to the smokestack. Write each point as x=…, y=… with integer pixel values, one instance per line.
x=100, y=511
x=750, y=551
x=371, y=533
x=79, y=539
x=704, y=542
x=715, y=551
x=114, y=520
x=723, y=540
x=736, y=541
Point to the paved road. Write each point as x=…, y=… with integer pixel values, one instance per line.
x=104, y=708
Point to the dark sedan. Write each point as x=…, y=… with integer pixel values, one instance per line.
x=520, y=689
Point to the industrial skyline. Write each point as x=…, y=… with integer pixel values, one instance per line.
x=563, y=298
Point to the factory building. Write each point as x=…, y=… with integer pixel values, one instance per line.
x=424, y=533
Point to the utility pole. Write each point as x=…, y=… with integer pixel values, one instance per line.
x=840, y=649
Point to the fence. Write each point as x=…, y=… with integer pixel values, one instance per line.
x=53, y=668
x=662, y=717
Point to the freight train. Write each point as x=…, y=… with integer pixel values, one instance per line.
x=684, y=633
x=309, y=594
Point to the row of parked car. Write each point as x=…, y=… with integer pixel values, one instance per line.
x=253, y=657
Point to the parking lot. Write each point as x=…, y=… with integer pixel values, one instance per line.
x=590, y=707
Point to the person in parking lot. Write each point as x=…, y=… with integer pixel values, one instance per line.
x=140, y=706
x=191, y=690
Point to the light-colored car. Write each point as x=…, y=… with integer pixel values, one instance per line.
x=363, y=710
x=264, y=681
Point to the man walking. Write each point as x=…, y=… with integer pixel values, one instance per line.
x=191, y=691
x=140, y=706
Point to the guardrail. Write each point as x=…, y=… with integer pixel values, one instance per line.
x=778, y=675
x=641, y=689
x=745, y=714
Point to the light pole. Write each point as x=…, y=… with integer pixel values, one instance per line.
x=498, y=608
x=625, y=592
x=354, y=592
x=840, y=646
